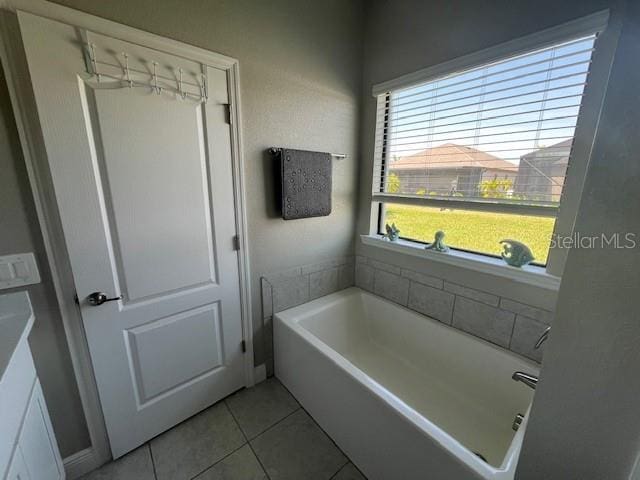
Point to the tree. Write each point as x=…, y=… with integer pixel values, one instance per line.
x=393, y=183
x=496, y=188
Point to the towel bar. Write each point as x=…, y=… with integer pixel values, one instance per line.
x=337, y=156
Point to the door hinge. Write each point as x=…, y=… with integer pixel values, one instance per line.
x=228, y=115
x=236, y=242
x=243, y=345
x=76, y=299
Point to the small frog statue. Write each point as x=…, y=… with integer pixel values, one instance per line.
x=393, y=233
x=438, y=244
x=516, y=253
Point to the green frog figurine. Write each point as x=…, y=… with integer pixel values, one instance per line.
x=393, y=233
x=516, y=253
x=438, y=244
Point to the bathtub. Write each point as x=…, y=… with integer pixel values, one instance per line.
x=403, y=395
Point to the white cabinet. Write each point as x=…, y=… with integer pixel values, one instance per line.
x=36, y=443
x=17, y=468
x=28, y=448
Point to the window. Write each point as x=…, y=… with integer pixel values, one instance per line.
x=482, y=153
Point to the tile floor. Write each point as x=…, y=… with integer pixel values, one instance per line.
x=259, y=433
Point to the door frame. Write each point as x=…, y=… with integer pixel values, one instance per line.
x=26, y=116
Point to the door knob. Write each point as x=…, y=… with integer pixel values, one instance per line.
x=98, y=298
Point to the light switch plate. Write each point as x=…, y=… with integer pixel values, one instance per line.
x=18, y=270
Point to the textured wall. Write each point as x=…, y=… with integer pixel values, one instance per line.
x=19, y=233
x=300, y=77
x=584, y=421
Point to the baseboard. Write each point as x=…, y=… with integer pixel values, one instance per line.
x=80, y=463
x=260, y=373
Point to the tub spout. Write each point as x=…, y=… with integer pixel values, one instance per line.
x=527, y=379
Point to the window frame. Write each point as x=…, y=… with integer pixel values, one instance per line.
x=565, y=212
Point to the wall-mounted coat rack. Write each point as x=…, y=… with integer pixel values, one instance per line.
x=156, y=83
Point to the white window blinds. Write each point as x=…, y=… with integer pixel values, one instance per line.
x=497, y=134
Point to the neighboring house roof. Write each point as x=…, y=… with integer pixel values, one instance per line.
x=451, y=156
x=560, y=151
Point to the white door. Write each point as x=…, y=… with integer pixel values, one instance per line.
x=144, y=184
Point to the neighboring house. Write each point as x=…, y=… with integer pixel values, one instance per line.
x=449, y=169
x=541, y=173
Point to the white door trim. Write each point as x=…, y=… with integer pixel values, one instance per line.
x=25, y=112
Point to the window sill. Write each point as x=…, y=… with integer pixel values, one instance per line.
x=529, y=274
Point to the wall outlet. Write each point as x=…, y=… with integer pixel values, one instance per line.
x=18, y=270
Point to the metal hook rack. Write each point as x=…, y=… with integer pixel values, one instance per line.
x=157, y=83
x=126, y=68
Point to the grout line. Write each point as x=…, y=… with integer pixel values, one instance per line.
x=271, y=426
x=246, y=439
x=251, y=446
x=345, y=464
x=224, y=401
x=216, y=463
x=459, y=284
x=340, y=469
x=330, y=439
x=314, y=421
x=153, y=462
x=288, y=391
x=259, y=461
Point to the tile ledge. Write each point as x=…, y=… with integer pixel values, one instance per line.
x=530, y=274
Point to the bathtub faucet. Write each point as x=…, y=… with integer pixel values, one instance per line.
x=527, y=379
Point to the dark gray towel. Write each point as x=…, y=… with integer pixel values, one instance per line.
x=306, y=184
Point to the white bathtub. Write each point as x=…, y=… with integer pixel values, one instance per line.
x=403, y=395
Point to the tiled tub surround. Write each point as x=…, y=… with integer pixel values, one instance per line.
x=289, y=288
x=499, y=320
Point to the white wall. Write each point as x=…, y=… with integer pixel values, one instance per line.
x=300, y=77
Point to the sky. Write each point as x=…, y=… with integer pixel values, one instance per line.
x=507, y=108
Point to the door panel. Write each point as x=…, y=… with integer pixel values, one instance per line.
x=156, y=191
x=144, y=185
x=151, y=348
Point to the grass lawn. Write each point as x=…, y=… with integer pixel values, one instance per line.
x=476, y=231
